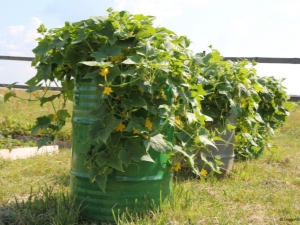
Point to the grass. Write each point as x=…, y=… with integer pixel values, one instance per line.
x=25, y=113
x=262, y=191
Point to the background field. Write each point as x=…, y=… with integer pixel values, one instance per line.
x=262, y=191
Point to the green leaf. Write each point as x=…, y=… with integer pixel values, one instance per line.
x=190, y=158
x=147, y=158
x=8, y=95
x=137, y=123
x=92, y=75
x=43, y=141
x=42, y=48
x=63, y=114
x=101, y=181
x=102, y=128
x=145, y=49
x=111, y=159
x=81, y=36
x=43, y=100
x=133, y=101
x=146, y=31
x=158, y=143
x=205, y=140
x=94, y=63
x=41, y=29
x=135, y=149
x=41, y=123
x=191, y=117
x=106, y=51
x=34, y=88
x=133, y=60
x=258, y=118
x=131, y=72
x=125, y=157
x=44, y=71
x=11, y=85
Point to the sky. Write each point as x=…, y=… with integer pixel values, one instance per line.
x=236, y=28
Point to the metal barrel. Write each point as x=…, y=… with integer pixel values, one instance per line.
x=224, y=150
x=141, y=187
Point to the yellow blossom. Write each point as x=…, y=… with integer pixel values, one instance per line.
x=177, y=120
x=40, y=131
x=131, y=33
x=163, y=95
x=135, y=131
x=243, y=103
x=120, y=127
x=148, y=124
x=104, y=72
x=55, y=116
x=203, y=172
x=210, y=98
x=107, y=90
x=176, y=167
x=114, y=59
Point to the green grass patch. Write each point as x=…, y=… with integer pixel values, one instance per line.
x=262, y=191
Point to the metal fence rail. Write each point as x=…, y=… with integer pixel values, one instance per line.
x=293, y=98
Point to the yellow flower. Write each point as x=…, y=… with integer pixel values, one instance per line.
x=54, y=117
x=148, y=124
x=203, y=172
x=243, y=103
x=120, y=127
x=40, y=131
x=104, y=72
x=163, y=95
x=135, y=131
x=107, y=90
x=177, y=120
x=131, y=33
x=210, y=98
x=114, y=59
x=176, y=167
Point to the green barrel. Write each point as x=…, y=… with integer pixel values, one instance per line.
x=142, y=186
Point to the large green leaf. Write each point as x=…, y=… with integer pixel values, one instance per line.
x=106, y=51
x=42, y=48
x=41, y=123
x=94, y=63
x=146, y=49
x=8, y=95
x=43, y=100
x=109, y=158
x=133, y=60
x=158, y=143
x=101, y=129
